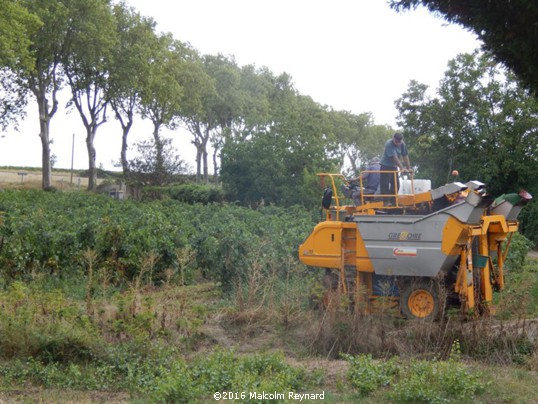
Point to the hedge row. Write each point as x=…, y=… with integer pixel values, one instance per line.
x=49, y=233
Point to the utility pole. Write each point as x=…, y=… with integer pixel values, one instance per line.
x=72, y=156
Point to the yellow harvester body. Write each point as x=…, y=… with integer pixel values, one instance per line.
x=428, y=251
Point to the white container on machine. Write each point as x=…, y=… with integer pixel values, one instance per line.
x=419, y=186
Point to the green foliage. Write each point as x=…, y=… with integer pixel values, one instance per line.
x=478, y=122
x=129, y=65
x=160, y=375
x=220, y=106
x=124, y=367
x=416, y=380
x=358, y=137
x=17, y=25
x=282, y=151
x=367, y=375
x=437, y=382
x=156, y=165
x=45, y=325
x=519, y=299
x=225, y=371
x=477, y=111
x=188, y=193
x=529, y=220
x=46, y=233
x=519, y=249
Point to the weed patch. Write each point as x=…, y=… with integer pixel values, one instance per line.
x=415, y=380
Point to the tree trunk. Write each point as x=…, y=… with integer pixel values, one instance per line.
x=206, y=170
x=159, y=159
x=215, y=166
x=38, y=88
x=126, y=128
x=124, y=162
x=205, y=139
x=44, y=121
x=160, y=171
x=123, y=154
x=92, y=169
x=198, y=164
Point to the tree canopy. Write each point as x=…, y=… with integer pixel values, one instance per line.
x=480, y=122
x=270, y=139
x=129, y=67
x=17, y=26
x=507, y=29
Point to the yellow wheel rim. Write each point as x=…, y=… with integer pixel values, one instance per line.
x=421, y=303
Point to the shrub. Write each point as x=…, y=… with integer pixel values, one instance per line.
x=367, y=375
x=437, y=382
x=519, y=248
x=46, y=234
x=417, y=380
x=45, y=325
x=188, y=193
x=225, y=371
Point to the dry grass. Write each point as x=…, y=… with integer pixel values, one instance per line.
x=12, y=179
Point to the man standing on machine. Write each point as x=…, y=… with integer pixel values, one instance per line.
x=395, y=156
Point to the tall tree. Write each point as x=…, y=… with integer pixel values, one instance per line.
x=507, y=29
x=277, y=160
x=129, y=66
x=170, y=90
x=38, y=69
x=86, y=66
x=359, y=138
x=256, y=87
x=480, y=122
x=17, y=27
x=221, y=105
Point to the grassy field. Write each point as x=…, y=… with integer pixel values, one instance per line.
x=31, y=178
x=83, y=330
x=89, y=342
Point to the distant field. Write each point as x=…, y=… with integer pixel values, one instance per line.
x=24, y=179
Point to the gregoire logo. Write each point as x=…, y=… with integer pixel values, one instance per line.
x=405, y=236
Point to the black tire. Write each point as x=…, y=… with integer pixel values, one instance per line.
x=419, y=300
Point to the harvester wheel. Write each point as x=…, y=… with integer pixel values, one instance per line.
x=419, y=300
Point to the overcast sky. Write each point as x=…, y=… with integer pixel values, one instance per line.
x=354, y=55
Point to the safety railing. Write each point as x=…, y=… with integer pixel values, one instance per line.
x=339, y=208
x=391, y=200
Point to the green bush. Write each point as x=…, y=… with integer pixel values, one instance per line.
x=47, y=234
x=519, y=299
x=437, y=382
x=46, y=326
x=519, y=249
x=417, y=380
x=367, y=375
x=529, y=220
x=188, y=193
x=128, y=367
x=225, y=371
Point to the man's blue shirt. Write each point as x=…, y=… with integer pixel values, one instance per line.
x=392, y=150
